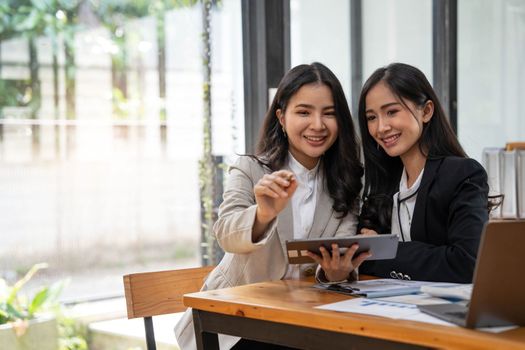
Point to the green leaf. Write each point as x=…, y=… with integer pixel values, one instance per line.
x=55, y=290
x=13, y=313
x=18, y=285
x=38, y=301
x=31, y=22
x=40, y=5
x=4, y=316
x=46, y=297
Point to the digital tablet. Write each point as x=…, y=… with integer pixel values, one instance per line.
x=381, y=246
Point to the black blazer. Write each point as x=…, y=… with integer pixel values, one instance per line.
x=449, y=214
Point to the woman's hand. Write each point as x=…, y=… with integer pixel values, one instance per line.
x=368, y=232
x=336, y=267
x=272, y=193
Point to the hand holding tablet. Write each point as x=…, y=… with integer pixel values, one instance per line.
x=381, y=246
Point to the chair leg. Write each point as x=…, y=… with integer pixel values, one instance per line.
x=150, y=335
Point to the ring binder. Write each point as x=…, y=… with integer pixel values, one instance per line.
x=399, y=276
x=521, y=183
x=506, y=179
x=509, y=207
x=491, y=162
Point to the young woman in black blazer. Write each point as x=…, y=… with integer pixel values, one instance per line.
x=419, y=182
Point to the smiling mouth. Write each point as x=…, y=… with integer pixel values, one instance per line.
x=390, y=140
x=315, y=138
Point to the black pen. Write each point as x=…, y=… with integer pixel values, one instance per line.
x=342, y=288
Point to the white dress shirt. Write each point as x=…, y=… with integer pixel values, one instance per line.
x=403, y=208
x=305, y=197
x=303, y=202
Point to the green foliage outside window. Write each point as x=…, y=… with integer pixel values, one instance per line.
x=17, y=308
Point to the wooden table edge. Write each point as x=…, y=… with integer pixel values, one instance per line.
x=413, y=332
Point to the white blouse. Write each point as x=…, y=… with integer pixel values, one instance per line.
x=403, y=208
x=303, y=201
x=305, y=197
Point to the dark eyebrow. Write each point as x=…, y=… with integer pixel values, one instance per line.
x=305, y=105
x=384, y=106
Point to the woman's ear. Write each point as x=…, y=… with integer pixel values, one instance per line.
x=280, y=116
x=428, y=111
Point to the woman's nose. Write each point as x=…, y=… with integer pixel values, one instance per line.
x=383, y=124
x=317, y=122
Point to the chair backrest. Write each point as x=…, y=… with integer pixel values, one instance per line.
x=158, y=293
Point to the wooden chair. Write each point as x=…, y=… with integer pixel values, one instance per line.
x=158, y=293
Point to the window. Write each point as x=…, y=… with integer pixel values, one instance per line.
x=491, y=75
x=322, y=33
x=99, y=159
x=397, y=31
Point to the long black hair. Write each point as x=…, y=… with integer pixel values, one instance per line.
x=341, y=162
x=383, y=172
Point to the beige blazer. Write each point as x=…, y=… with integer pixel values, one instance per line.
x=247, y=262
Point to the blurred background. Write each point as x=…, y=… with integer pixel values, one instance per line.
x=102, y=130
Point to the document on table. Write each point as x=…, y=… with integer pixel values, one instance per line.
x=372, y=307
x=416, y=299
x=401, y=307
x=381, y=308
x=395, y=310
x=377, y=288
x=450, y=290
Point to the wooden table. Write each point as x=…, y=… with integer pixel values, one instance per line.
x=282, y=312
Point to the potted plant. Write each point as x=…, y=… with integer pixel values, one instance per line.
x=24, y=322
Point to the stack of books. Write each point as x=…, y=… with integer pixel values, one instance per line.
x=506, y=176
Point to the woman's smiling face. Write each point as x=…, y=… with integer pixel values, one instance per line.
x=395, y=125
x=310, y=123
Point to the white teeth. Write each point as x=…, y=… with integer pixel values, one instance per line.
x=390, y=138
x=314, y=138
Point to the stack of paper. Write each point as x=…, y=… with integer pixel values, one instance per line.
x=382, y=308
x=377, y=288
x=449, y=291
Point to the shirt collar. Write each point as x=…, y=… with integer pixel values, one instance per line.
x=404, y=191
x=299, y=170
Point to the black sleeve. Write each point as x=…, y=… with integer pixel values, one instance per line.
x=464, y=212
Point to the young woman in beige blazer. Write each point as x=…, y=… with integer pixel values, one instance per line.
x=303, y=182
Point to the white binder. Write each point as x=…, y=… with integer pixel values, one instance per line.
x=521, y=183
x=508, y=170
x=491, y=162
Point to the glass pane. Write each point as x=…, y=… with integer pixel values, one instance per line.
x=99, y=160
x=321, y=32
x=397, y=31
x=491, y=74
